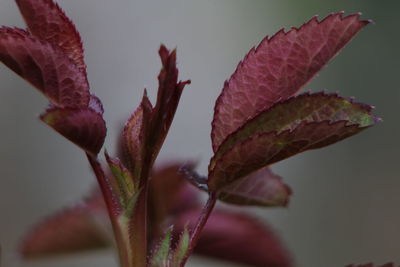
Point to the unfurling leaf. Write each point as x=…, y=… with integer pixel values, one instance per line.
x=45, y=66
x=260, y=188
x=135, y=136
x=278, y=68
x=47, y=21
x=124, y=182
x=298, y=124
x=168, y=96
x=146, y=130
x=237, y=238
x=80, y=228
x=84, y=127
x=160, y=257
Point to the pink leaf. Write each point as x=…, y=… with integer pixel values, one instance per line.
x=168, y=96
x=45, y=66
x=84, y=127
x=260, y=188
x=290, y=113
x=298, y=124
x=278, y=68
x=76, y=229
x=237, y=238
x=266, y=148
x=47, y=21
x=135, y=136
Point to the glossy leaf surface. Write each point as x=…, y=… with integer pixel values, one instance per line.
x=278, y=68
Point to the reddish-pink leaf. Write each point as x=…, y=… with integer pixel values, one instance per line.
x=266, y=148
x=84, y=127
x=237, y=238
x=47, y=21
x=168, y=96
x=278, y=68
x=76, y=229
x=303, y=108
x=135, y=136
x=260, y=188
x=45, y=66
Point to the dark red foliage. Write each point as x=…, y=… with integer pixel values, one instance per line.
x=238, y=238
x=278, y=68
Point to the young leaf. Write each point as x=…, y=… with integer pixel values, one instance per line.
x=45, y=66
x=266, y=148
x=135, y=135
x=288, y=114
x=124, y=180
x=76, y=229
x=168, y=96
x=181, y=248
x=47, y=21
x=238, y=238
x=278, y=68
x=160, y=257
x=305, y=122
x=84, y=127
x=260, y=188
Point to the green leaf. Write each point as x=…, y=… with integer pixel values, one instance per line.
x=160, y=255
x=124, y=179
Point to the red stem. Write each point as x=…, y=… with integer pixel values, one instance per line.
x=112, y=208
x=201, y=222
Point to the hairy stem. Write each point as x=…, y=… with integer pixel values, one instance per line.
x=201, y=222
x=138, y=230
x=109, y=198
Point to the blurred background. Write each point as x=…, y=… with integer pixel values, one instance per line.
x=345, y=207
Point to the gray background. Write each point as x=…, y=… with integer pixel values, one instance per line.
x=345, y=207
